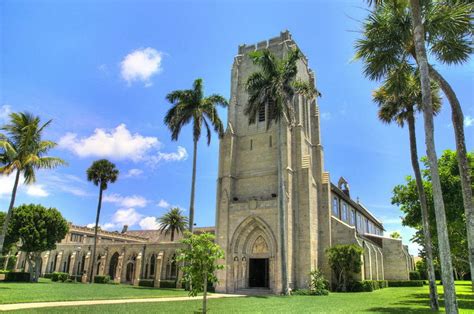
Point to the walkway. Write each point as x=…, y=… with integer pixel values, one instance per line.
x=21, y=306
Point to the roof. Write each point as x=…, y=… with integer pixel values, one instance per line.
x=158, y=236
x=356, y=205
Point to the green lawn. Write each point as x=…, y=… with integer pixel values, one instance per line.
x=389, y=300
x=46, y=290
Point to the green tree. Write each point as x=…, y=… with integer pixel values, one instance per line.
x=398, y=99
x=101, y=173
x=173, y=221
x=406, y=197
x=200, y=263
x=388, y=38
x=190, y=105
x=345, y=260
x=395, y=235
x=272, y=89
x=22, y=151
x=37, y=229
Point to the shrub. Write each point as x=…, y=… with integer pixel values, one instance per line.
x=383, y=284
x=77, y=278
x=58, y=276
x=48, y=275
x=4, y=271
x=101, y=279
x=345, y=260
x=301, y=292
x=367, y=285
x=318, y=284
x=415, y=275
x=17, y=276
x=405, y=283
x=167, y=284
x=146, y=283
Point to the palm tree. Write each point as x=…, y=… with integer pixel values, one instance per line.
x=173, y=221
x=273, y=88
x=190, y=105
x=392, y=32
x=101, y=173
x=398, y=99
x=22, y=151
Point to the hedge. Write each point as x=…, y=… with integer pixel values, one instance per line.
x=146, y=283
x=367, y=285
x=405, y=283
x=77, y=278
x=101, y=279
x=4, y=271
x=48, y=275
x=415, y=275
x=167, y=284
x=17, y=276
x=58, y=276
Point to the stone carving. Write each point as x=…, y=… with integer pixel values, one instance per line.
x=260, y=246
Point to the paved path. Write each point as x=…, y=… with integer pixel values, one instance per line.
x=21, y=306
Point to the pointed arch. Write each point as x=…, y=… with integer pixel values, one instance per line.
x=248, y=231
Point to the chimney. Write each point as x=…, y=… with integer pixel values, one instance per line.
x=125, y=228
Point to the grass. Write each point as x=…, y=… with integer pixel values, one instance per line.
x=389, y=300
x=46, y=290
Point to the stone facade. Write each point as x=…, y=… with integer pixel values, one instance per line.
x=318, y=214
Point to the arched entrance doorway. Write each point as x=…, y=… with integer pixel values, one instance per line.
x=253, y=252
x=130, y=272
x=113, y=265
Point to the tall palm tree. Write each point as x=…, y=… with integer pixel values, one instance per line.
x=273, y=88
x=22, y=151
x=188, y=106
x=392, y=32
x=398, y=99
x=173, y=221
x=101, y=173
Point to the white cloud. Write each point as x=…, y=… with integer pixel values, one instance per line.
x=107, y=226
x=163, y=204
x=126, y=201
x=141, y=65
x=36, y=190
x=5, y=111
x=326, y=115
x=180, y=154
x=118, y=144
x=127, y=217
x=134, y=173
x=6, y=185
x=149, y=223
x=468, y=121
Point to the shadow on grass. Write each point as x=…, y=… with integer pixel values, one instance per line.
x=397, y=310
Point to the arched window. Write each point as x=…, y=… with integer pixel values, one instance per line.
x=335, y=207
x=152, y=265
x=261, y=113
x=344, y=212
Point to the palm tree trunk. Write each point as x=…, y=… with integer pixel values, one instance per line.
x=91, y=278
x=193, y=187
x=10, y=211
x=457, y=118
x=172, y=235
x=204, y=297
x=443, y=239
x=424, y=212
x=282, y=212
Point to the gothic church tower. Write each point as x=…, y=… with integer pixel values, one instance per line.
x=247, y=219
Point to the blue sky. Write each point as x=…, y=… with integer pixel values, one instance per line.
x=101, y=71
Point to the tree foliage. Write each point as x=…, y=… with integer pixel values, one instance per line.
x=345, y=260
x=173, y=221
x=36, y=229
x=199, y=260
x=406, y=197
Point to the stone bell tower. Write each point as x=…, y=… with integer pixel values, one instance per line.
x=247, y=220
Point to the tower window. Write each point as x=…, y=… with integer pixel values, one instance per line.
x=261, y=113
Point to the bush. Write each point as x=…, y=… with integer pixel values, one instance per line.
x=301, y=292
x=58, y=276
x=101, y=279
x=405, y=283
x=17, y=276
x=11, y=262
x=318, y=284
x=367, y=285
x=167, y=284
x=146, y=283
x=415, y=275
x=77, y=278
x=48, y=275
x=4, y=271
